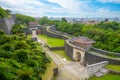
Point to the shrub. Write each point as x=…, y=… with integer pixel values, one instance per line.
x=7, y=47
x=22, y=55
x=21, y=45
x=5, y=54
x=32, y=63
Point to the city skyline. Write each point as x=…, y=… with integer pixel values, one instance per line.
x=64, y=8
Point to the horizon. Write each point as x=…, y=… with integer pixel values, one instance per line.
x=64, y=8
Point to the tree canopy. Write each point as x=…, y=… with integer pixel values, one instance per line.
x=106, y=34
x=3, y=13
x=24, y=19
x=21, y=58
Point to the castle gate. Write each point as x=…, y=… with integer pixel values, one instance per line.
x=78, y=55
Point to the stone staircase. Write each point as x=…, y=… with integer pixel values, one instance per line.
x=101, y=72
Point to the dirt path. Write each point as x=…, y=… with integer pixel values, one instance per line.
x=67, y=70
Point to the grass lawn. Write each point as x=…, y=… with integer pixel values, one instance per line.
x=62, y=54
x=113, y=67
x=23, y=26
x=106, y=77
x=53, y=42
x=29, y=36
x=49, y=72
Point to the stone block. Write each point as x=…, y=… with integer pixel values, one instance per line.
x=99, y=74
x=104, y=71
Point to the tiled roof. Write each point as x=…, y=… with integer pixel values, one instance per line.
x=83, y=40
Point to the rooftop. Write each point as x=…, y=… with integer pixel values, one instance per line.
x=82, y=40
x=33, y=23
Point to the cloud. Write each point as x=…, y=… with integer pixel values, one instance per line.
x=110, y=1
x=32, y=7
x=67, y=8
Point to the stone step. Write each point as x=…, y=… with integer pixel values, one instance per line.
x=99, y=74
x=104, y=71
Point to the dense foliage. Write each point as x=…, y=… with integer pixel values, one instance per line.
x=24, y=19
x=106, y=34
x=45, y=21
x=3, y=12
x=21, y=58
x=17, y=28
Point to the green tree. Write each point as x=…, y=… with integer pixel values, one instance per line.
x=16, y=29
x=64, y=19
x=24, y=19
x=44, y=20
x=3, y=13
x=22, y=55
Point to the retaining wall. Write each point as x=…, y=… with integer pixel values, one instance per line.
x=56, y=48
x=104, y=52
x=69, y=49
x=91, y=58
x=53, y=33
x=92, y=69
x=114, y=72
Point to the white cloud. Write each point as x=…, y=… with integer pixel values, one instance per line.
x=110, y=1
x=68, y=8
x=32, y=7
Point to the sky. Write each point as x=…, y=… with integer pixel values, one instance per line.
x=64, y=8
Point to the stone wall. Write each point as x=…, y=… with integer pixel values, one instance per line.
x=6, y=24
x=3, y=26
x=53, y=33
x=69, y=49
x=56, y=48
x=104, y=52
x=91, y=58
x=92, y=69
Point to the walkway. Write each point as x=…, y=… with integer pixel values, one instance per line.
x=67, y=70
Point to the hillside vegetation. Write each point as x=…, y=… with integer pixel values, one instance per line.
x=21, y=58
x=4, y=13
x=24, y=18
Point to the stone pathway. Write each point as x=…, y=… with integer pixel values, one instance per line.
x=67, y=70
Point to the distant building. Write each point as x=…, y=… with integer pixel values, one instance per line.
x=92, y=22
x=33, y=25
x=36, y=27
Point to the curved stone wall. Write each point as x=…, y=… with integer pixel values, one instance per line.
x=104, y=52
x=69, y=49
x=91, y=58
x=53, y=33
